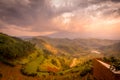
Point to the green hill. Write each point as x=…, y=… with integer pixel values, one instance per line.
x=47, y=58
x=13, y=48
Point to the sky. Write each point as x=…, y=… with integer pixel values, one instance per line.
x=61, y=18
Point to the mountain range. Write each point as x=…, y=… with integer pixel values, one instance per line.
x=79, y=46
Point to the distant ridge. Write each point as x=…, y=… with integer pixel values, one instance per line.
x=74, y=46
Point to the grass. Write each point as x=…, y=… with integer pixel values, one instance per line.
x=43, y=74
x=48, y=66
x=31, y=67
x=31, y=57
x=41, y=66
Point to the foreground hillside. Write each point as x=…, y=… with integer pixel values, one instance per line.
x=22, y=60
x=12, y=48
x=48, y=59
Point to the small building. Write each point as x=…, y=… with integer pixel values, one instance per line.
x=101, y=71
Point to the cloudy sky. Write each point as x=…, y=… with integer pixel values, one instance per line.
x=61, y=18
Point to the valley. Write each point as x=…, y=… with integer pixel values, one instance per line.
x=59, y=39
x=45, y=58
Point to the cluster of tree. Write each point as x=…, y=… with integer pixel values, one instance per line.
x=13, y=48
x=114, y=62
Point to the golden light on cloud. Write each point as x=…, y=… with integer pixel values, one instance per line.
x=60, y=3
x=67, y=17
x=63, y=20
x=17, y=31
x=104, y=27
x=57, y=3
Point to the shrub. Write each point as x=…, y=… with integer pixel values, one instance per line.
x=12, y=64
x=28, y=74
x=1, y=75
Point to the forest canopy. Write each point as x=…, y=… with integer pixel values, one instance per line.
x=12, y=47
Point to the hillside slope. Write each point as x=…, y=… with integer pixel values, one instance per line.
x=12, y=48
x=40, y=61
x=111, y=50
x=79, y=47
x=45, y=46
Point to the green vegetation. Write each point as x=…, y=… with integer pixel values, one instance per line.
x=52, y=66
x=13, y=48
x=52, y=59
x=31, y=63
x=114, y=62
x=86, y=68
x=31, y=67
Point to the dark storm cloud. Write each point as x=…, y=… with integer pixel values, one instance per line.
x=23, y=12
x=118, y=11
x=13, y=16
x=106, y=8
x=97, y=1
x=15, y=12
x=11, y=11
x=115, y=0
x=115, y=12
x=26, y=12
x=38, y=13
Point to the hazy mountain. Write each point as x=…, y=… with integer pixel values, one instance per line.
x=74, y=46
x=111, y=50
x=45, y=46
